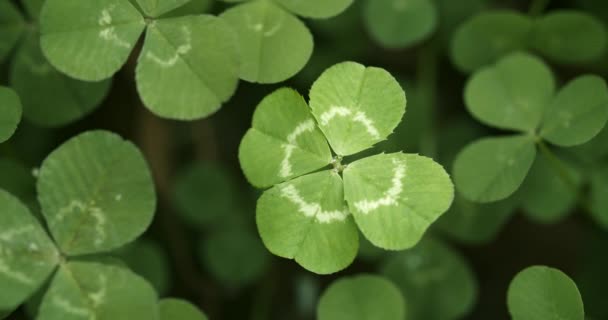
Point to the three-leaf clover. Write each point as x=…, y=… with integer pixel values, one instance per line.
x=96, y=194
x=274, y=43
x=543, y=293
x=312, y=211
x=10, y=113
x=564, y=36
x=188, y=65
x=59, y=99
x=518, y=93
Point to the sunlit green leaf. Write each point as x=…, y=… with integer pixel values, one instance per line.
x=10, y=113
x=356, y=106
x=316, y=8
x=512, y=94
x=192, y=7
x=434, y=279
x=96, y=193
x=274, y=44
x=578, y=112
x=362, y=297
x=306, y=219
x=569, y=36
x=400, y=23
x=395, y=197
x=486, y=37
x=59, y=100
x=155, y=8
x=27, y=254
x=183, y=75
x=173, y=309
x=288, y=135
x=492, y=169
x=11, y=27
x=89, y=40
x=543, y=293
x=98, y=290
x=224, y=252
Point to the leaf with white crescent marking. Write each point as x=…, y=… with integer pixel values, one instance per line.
x=96, y=193
x=356, y=107
x=306, y=219
x=27, y=254
x=284, y=141
x=394, y=198
x=98, y=290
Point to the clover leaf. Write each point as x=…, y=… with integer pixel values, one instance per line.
x=96, y=194
x=171, y=308
x=361, y=297
x=10, y=29
x=517, y=94
x=92, y=39
x=540, y=292
x=312, y=212
x=564, y=36
x=10, y=113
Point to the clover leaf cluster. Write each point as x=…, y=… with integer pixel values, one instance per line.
x=518, y=93
x=317, y=203
x=190, y=64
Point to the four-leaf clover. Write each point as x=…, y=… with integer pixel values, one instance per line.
x=312, y=211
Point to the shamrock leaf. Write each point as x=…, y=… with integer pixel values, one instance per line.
x=10, y=29
x=10, y=113
x=179, y=309
x=306, y=215
x=361, y=297
x=155, y=8
x=517, y=93
x=316, y=8
x=545, y=293
x=96, y=194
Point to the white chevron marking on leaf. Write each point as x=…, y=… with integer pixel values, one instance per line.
x=312, y=210
x=357, y=116
x=390, y=196
x=180, y=51
x=108, y=33
x=306, y=126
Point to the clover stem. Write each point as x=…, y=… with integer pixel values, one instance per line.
x=336, y=162
x=537, y=7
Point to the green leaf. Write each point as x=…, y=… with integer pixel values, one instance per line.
x=593, y=151
x=394, y=198
x=435, y=280
x=400, y=23
x=488, y=36
x=599, y=197
x=512, y=94
x=543, y=293
x=578, y=112
x=205, y=195
x=89, y=40
x=475, y=223
x=173, y=309
x=361, y=297
x=569, y=36
x=149, y=259
x=59, y=100
x=356, y=106
x=98, y=290
x=492, y=169
x=33, y=8
x=182, y=75
x=546, y=197
x=275, y=45
x=192, y=7
x=223, y=253
x=11, y=28
x=27, y=255
x=155, y=8
x=10, y=113
x=319, y=9
x=96, y=193
x=288, y=135
x=306, y=219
